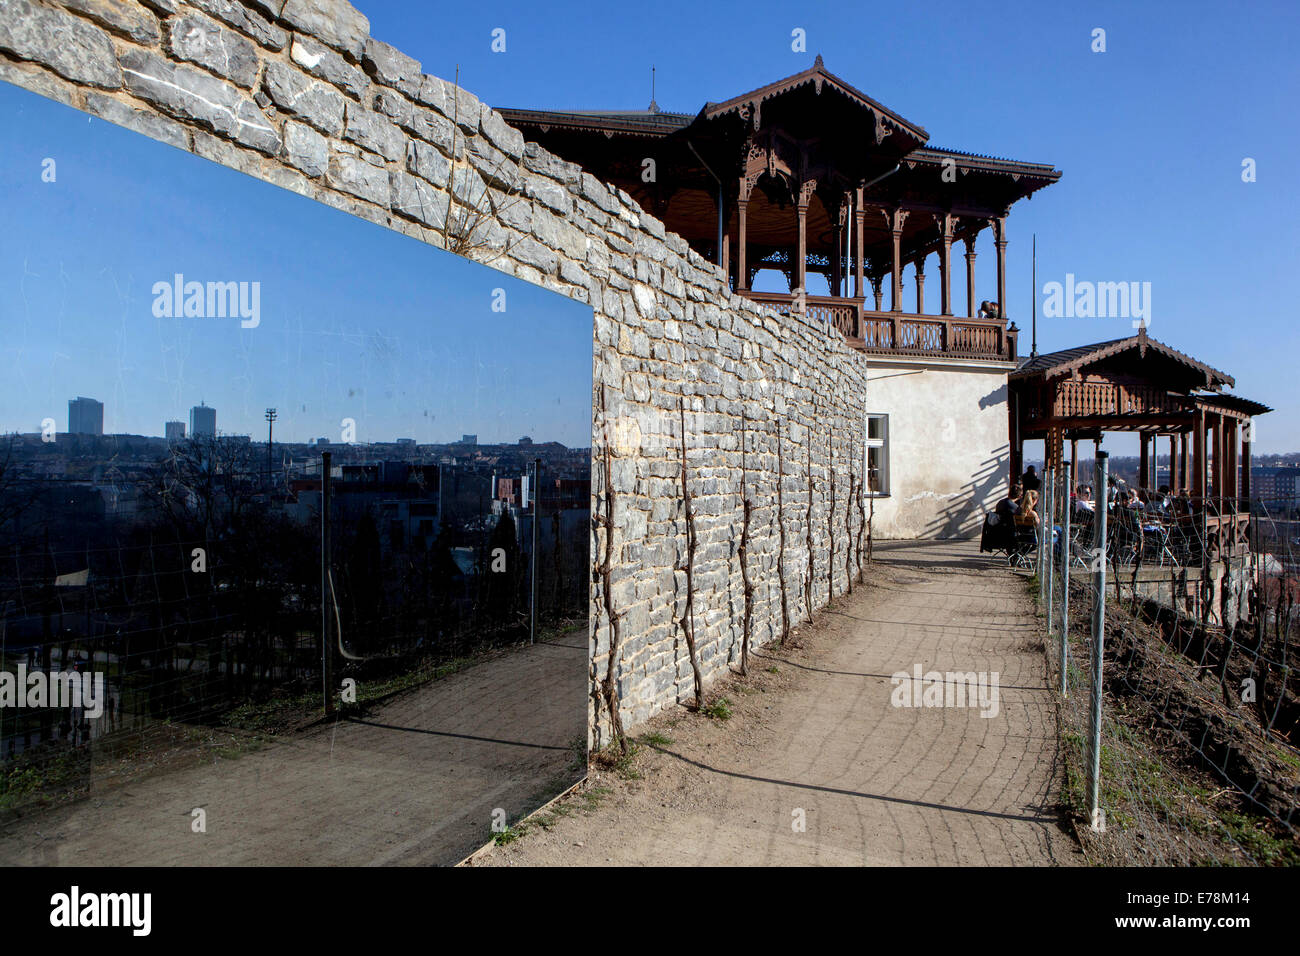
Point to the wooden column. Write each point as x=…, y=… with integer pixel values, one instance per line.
x=1017, y=458
x=1000, y=242
x=1245, y=462
x=840, y=219
x=1074, y=463
x=970, y=275
x=742, y=259
x=947, y=223
x=877, y=290
x=859, y=216
x=1144, y=460
x=1231, y=485
x=1218, y=463
x=1198, y=458
x=1174, y=487
x=801, y=253
x=1184, y=478
x=920, y=285
x=897, y=218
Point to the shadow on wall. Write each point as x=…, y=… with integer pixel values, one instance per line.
x=996, y=397
x=961, y=516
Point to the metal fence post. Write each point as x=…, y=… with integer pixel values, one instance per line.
x=1038, y=558
x=1102, y=474
x=1065, y=582
x=1049, y=528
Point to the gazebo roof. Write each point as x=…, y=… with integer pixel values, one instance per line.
x=1072, y=360
x=821, y=79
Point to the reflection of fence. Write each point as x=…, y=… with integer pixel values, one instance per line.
x=1181, y=736
x=184, y=628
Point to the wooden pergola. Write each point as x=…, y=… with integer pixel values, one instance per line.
x=1140, y=385
x=808, y=174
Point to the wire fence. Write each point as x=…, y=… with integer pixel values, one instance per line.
x=182, y=633
x=1172, y=637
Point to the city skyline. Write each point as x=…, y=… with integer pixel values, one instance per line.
x=358, y=327
x=465, y=437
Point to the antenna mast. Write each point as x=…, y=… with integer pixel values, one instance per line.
x=1033, y=348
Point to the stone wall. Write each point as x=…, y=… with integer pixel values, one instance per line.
x=295, y=92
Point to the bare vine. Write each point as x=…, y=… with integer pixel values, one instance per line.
x=609, y=686
x=688, y=614
x=808, y=578
x=780, y=524
x=744, y=550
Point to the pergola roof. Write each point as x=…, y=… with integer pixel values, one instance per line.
x=1232, y=403
x=1069, y=361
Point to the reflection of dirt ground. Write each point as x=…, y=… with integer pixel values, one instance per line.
x=413, y=782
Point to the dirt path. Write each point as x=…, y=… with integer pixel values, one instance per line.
x=819, y=740
x=415, y=782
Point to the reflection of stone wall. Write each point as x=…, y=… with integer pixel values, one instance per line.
x=295, y=92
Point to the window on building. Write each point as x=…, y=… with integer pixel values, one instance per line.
x=878, y=455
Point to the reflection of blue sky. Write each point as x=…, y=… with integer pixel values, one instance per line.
x=356, y=321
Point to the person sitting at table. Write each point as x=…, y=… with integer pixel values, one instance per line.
x=1083, y=500
x=1027, y=515
x=1008, y=507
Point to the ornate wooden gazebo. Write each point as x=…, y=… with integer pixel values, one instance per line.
x=808, y=174
x=1140, y=385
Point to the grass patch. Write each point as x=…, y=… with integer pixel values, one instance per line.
x=720, y=709
x=593, y=797
x=618, y=761
x=656, y=739
x=508, y=835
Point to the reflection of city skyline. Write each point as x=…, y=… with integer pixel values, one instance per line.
x=86, y=417
x=354, y=321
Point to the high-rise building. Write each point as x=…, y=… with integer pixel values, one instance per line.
x=203, y=420
x=85, y=417
x=174, y=431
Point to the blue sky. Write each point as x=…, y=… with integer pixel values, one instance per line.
x=1150, y=135
x=356, y=321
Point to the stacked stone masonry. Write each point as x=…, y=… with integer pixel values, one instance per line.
x=296, y=93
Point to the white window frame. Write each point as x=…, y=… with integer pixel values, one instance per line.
x=882, y=443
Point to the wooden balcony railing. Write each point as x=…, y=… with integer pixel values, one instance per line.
x=901, y=333
x=1089, y=399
